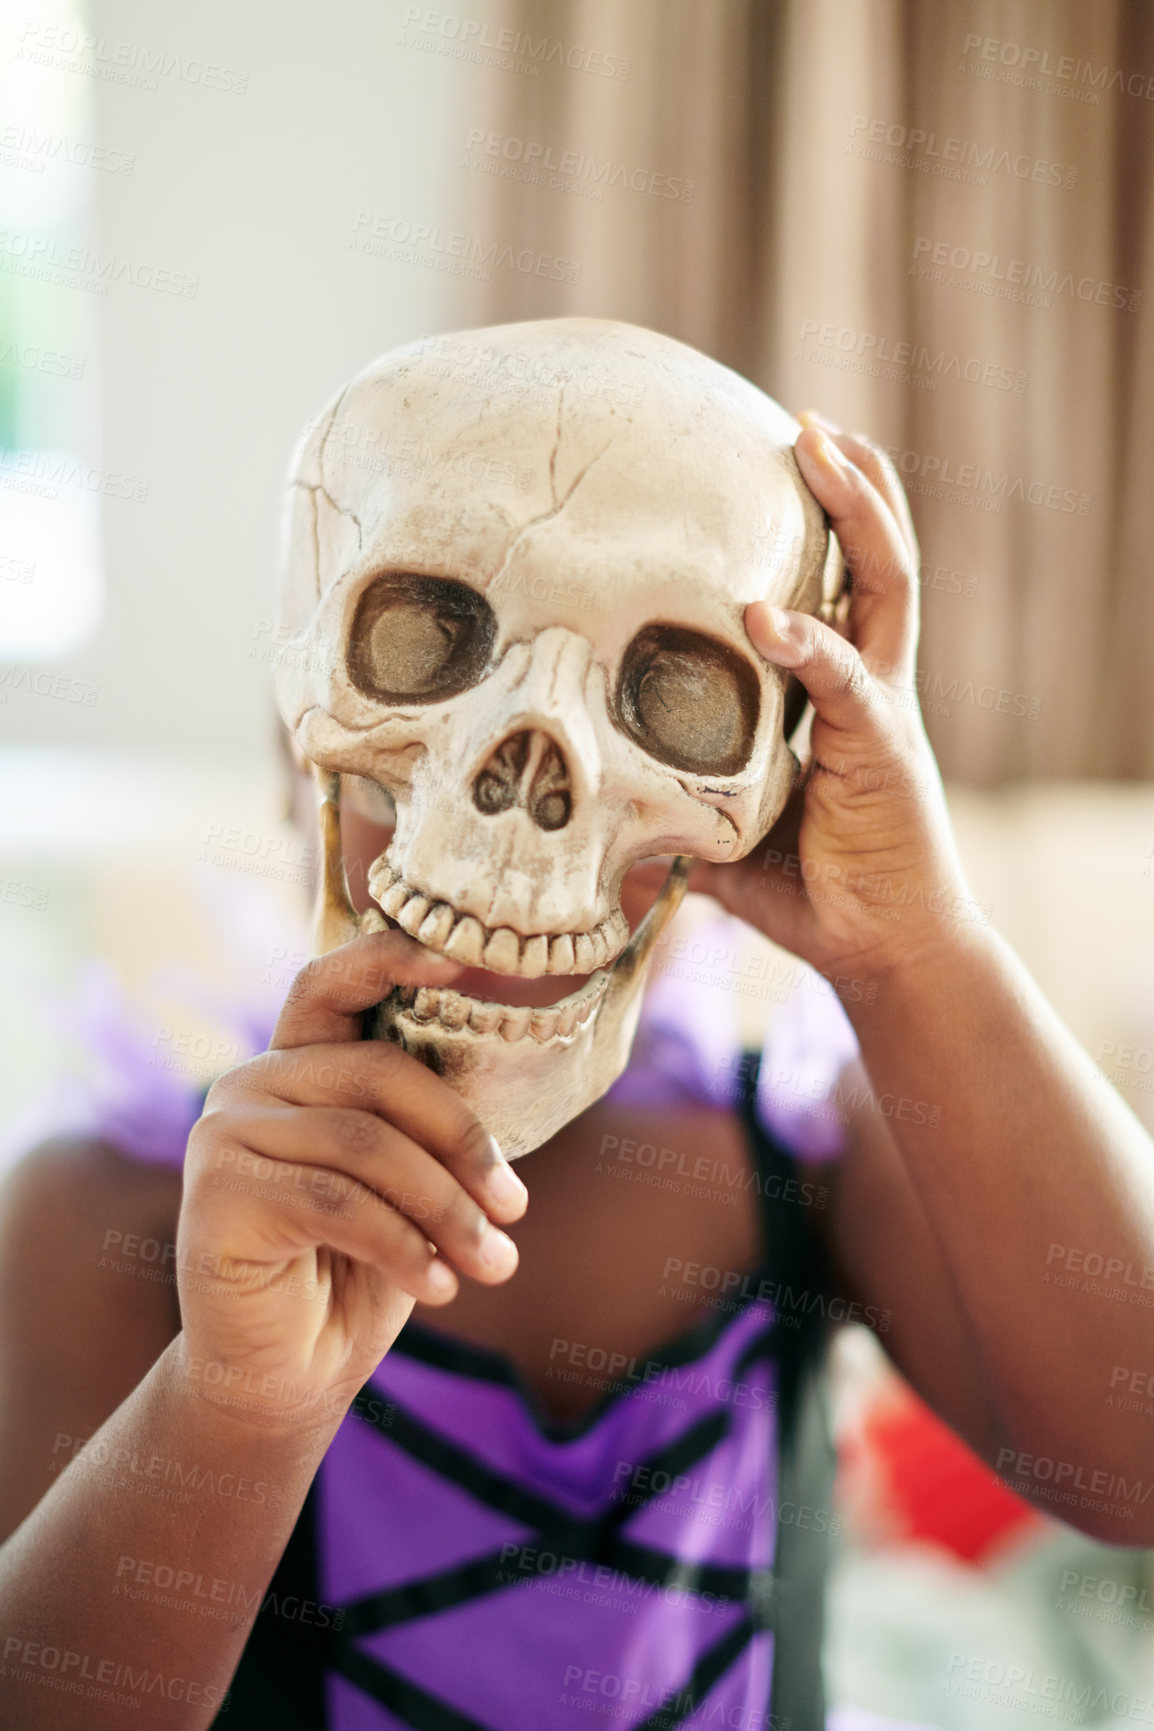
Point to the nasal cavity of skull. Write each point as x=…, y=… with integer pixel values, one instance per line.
x=528, y=770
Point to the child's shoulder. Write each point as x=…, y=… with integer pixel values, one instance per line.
x=87, y=1301
x=68, y=1189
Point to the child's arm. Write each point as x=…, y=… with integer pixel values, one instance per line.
x=329, y=1184
x=76, y=1652
x=1017, y=1150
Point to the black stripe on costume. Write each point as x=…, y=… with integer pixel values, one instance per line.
x=412, y=1704
x=503, y=1495
x=684, y=1451
x=491, y=1574
x=461, y=1468
x=593, y=1540
x=682, y=1703
x=425, y=1712
x=465, y=1358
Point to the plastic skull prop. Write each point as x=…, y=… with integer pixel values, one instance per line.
x=518, y=564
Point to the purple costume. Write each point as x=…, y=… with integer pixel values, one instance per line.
x=470, y=1566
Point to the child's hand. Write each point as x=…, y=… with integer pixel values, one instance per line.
x=860, y=870
x=315, y=1181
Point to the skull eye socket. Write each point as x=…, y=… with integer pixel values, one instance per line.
x=419, y=639
x=688, y=700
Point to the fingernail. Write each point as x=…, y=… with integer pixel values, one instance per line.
x=771, y=629
x=828, y=453
x=504, y=1187
x=441, y=1277
x=812, y=418
x=498, y=1252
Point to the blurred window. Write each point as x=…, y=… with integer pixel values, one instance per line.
x=51, y=584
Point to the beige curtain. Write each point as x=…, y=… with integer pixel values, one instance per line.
x=795, y=257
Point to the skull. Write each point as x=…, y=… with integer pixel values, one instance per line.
x=518, y=564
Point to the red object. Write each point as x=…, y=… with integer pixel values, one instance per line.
x=935, y=1488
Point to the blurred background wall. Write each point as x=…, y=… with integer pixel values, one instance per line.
x=929, y=220
x=933, y=222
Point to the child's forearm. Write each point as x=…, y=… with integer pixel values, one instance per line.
x=174, y=1502
x=1040, y=1185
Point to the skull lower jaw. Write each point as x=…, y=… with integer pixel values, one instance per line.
x=524, y=1090
x=522, y=1080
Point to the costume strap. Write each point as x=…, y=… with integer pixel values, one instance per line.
x=805, y=1448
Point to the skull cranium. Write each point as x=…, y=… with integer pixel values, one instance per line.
x=518, y=564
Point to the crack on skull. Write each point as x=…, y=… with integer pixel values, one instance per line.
x=312, y=496
x=556, y=447
x=557, y=505
x=312, y=488
x=316, y=541
x=343, y=511
x=697, y=793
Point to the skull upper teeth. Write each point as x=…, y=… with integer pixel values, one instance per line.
x=463, y=938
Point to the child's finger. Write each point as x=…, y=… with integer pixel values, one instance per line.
x=376, y=1076
x=875, y=463
x=883, y=612
x=355, y=1159
x=254, y=1234
x=330, y=994
x=833, y=672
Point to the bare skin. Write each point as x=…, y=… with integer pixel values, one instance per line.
x=333, y=1184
